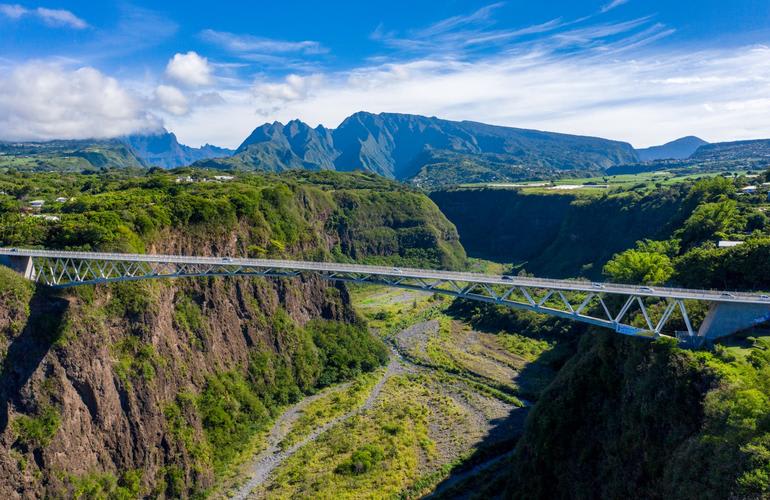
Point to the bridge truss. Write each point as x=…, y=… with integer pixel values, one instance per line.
x=630, y=310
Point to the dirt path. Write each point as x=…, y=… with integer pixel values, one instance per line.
x=272, y=457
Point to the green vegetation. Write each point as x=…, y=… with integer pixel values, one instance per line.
x=347, y=351
x=135, y=360
x=624, y=419
x=105, y=486
x=67, y=156
x=559, y=234
x=371, y=219
x=235, y=405
x=362, y=460
x=710, y=211
x=337, y=402
x=376, y=453
x=38, y=430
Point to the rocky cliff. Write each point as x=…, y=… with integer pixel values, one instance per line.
x=155, y=388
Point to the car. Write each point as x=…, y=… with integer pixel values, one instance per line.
x=597, y=285
x=14, y=249
x=506, y=277
x=227, y=259
x=397, y=270
x=764, y=297
x=646, y=289
x=727, y=295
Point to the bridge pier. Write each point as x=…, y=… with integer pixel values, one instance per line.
x=21, y=264
x=727, y=318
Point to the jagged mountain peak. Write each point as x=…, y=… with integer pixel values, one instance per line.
x=399, y=145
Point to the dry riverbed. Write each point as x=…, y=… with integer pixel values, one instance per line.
x=446, y=392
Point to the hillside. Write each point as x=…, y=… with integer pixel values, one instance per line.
x=716, y=157
x=157, y=388
x=72, y=156
x=135, y=151
x=756, y=150
x=556, y=234
x=675, y=150
x=400, y=146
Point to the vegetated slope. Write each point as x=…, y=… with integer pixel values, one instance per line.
x=163, y=150
x=153, y=387
x=401, y=146
x=739, y=150
x=556, y=235
x=68, y=155
x=159, y=149
x=631, y=418
x=716, y=157
x=675, y=150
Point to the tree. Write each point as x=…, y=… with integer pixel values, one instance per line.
x=637, y=266
x=707, y=220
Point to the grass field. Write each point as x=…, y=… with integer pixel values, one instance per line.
x=594, y=186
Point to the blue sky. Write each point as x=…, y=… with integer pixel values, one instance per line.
x=636, y=70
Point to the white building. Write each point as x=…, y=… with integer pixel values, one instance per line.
x=728, y=244
x=37, y=203
x=749, y=190
x=62, y=199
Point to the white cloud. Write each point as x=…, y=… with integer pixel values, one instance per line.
x=14, y=11
x=613, y=4
x=644, y=99
x=52, y=17
x=189, y=69
x=172, y=100
x=252, y=44
x=60, y=17
x=41, y=101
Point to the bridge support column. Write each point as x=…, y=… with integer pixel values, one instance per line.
x=727, y=318
x=20, y=264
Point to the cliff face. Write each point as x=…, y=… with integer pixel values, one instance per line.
x=556, y=235
x=153, y=388
x=111, y=360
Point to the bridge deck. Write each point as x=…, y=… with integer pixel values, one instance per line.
x=427, y=274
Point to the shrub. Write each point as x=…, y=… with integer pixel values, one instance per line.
x=37, y=431
x=362, y=461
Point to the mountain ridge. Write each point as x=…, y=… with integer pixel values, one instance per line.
x=678, y=149
x=399, y=146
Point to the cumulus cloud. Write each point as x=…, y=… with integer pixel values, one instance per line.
x=41, y=101
x=189, y=69
x=172, y=100
x=52, y=17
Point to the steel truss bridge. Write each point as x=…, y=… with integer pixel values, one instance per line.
x=607, y=305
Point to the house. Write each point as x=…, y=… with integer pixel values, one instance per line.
x=749, y=189
x=728, y=244
x=37, y=203
x=224, y=177
x=62, y=199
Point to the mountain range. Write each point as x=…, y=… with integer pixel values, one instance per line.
x=163, y=150
x=426, y=151
x=402, y=146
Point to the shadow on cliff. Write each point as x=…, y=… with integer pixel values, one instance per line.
x=27, y=350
